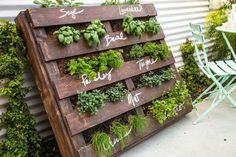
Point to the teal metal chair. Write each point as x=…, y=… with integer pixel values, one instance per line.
x=222, y=73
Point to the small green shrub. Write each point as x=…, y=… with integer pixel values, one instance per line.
x=116, y=93
x=117, y=2
x=57, y=3
x=120, y=131
x=90, y=101
x=101, y=143
x=90, y=66
x=138, y=123
x=163, y=109
x=67, y=35
x=151, y=79
x=136, y=52
x=94, y=32
x=152, y=26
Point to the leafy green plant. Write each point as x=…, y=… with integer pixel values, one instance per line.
x=136, y=52
x=57, y=3
x=101, y=142
x=116, y=92
x=120, y=131
x=94, y=32
x=110, y=58
x=190, y=72
x=156, y=51
x=89, y=66
x=90, y=101
x=163, y=109
x=67, y=35
x=117, y=2
x=133, y=27
x=151, y=79
x=138, y=123
x=22, y=139
x=152, y=26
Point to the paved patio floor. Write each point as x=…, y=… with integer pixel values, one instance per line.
x=215, y=136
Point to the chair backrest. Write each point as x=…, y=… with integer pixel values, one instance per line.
x=198, y=38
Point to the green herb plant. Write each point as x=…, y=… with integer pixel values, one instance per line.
x=117, y=2
x=57, y=3
x=120, y=130
x=116, y=92
x=67, y=35
x=101, y=143
x=138, y=123
x=190, y=72
x=90, y=66
x=90, y=101
x=151, y=79
x=137, y=27
x=154, y=50
x=94, y=32
x=22, y=139
x=165, y=108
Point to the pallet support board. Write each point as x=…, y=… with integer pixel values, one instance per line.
x=44, y=52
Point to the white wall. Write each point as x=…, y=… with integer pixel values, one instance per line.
x=174, y=16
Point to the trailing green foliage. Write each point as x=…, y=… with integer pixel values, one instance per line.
x=94, y=32
x=152, y=26
x=90, y=66
x=138, y=123
x=219, y=50
x=137, y=27
x=116, y=93
x=22, y=140
x=90, y=101
x=190, y=72
x=165, y=108
x=152, y=49
x=120, y=131
x=117, y=2
x=57, y=3
x=151, y=79
x=101, y=142
x=67, y=35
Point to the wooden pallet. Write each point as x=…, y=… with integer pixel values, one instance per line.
x=45, y=53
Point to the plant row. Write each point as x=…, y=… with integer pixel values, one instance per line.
x=95, y=31
x=90, y=102
x=161, y=109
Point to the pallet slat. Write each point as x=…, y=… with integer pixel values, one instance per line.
x=72, y=15
x=69, y=86
x=52, y=49
x=78, y=123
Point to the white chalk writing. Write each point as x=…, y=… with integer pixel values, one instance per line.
x=109, y=39
x=145, y=63
x=71, y=13
x=133, y=99
x=180, y=107
x=130, y=9
x=86, y=81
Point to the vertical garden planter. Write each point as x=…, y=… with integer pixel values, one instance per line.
x=47, y=57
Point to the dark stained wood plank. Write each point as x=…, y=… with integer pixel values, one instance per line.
x=69, y=86
x=53, y=50
x=45, y=89
x=80, y=122
x=152, y=128
x=43, y=17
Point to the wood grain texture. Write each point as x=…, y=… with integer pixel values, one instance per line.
x=44, y=17
x=68, y=86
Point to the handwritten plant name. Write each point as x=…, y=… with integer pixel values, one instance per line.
x=130, y=9
x=109, y=39
x=180, y=107
x=71, y=13
x=86, y=81
x=145, y=63
x=132, y=99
